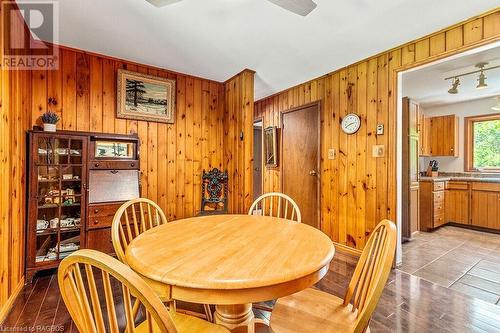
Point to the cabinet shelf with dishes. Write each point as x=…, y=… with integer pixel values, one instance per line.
x=56, y=198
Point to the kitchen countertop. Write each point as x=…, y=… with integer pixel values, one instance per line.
x=460, y=178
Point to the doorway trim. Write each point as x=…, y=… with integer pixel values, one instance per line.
x=396, y=132
x=319, y=109
x=262, y=167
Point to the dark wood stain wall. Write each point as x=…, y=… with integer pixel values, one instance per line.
x=358, y=190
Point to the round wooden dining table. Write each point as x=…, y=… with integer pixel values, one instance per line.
x=232, y=261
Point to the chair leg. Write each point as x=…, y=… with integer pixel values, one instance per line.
x=262, y=307
x=208, y=313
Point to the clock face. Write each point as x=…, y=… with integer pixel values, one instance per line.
x=351, y=123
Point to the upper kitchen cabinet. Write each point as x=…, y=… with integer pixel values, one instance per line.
x=443, y=136
x=424, y=125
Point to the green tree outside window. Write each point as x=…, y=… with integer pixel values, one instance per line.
x=487, y=144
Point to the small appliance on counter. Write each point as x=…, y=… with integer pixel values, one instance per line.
x=432, y=169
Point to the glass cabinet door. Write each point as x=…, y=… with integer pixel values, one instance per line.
x=59, y=194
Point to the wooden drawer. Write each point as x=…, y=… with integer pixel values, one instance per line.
x=103, y=210
x=457, y=185
x=439, y=208
x=111, y=165
x=439, y=220
x=438, y=196
x=493, y=187
x=438, y=186
x=100, y=240
x=97, y=222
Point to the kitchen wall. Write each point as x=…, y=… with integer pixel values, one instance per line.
x=463, y=109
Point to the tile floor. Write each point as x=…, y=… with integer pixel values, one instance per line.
x=461, y=259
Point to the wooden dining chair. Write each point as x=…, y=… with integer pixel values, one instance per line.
x=313, y=310
x=100, y=293
x=277, y=205
x=132, y=219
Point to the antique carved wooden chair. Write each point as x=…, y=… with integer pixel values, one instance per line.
x=133, y=218
x=312, y=310
x=277, y=205
x=103, y=295
x=214, y=192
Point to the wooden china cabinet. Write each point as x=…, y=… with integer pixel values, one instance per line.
x=73, y=177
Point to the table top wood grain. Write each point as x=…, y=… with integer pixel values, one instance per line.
x=230, y=252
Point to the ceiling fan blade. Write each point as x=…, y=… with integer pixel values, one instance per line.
x=300, y=7
x=162, y=3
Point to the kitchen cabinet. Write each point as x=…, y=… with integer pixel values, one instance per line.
x=424, y=125
x=456, y=202
x=443, y=136
x=432, y=201
x=485, y=205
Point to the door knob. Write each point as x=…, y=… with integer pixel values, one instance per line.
x=312, y=173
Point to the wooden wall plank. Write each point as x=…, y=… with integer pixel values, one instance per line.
x=358, y=190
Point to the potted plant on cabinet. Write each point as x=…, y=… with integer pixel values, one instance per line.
x=49, y=120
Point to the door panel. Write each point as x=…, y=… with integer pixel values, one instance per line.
x=300, y=161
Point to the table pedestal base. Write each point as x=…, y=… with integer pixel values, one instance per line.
x=233, y=316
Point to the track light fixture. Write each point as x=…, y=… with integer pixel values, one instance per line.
x=481, y=80
x=454, y=86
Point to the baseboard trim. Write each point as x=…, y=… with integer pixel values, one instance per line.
x=4, y=311
x=347, y=249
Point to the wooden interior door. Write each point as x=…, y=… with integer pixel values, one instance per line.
x=300, y=160
x=257, y=162
x=410, y=213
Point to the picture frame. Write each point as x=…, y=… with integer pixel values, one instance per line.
x=271, y=146
x=145, y=97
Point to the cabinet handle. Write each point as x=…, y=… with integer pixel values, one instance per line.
x=96, y=221
x=132, y=164
x=96, y=211
x=451, y=149
x=96, y=165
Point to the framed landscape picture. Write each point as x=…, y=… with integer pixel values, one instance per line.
x=145, y=97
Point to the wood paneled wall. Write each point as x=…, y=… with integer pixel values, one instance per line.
x=238, y=151
x=172, y=155
x=14, y=91
x=358, y=190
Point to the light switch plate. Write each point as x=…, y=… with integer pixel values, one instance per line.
x=331, y=154
x=378, y=151
x=380, y=129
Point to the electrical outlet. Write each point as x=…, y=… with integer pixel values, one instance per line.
x=378, y=151
x=331, y=154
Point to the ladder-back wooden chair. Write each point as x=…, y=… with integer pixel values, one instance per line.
x=101, y=295
x=313, y=310
x=277, y=205
x=132, y=219
x=214, y=188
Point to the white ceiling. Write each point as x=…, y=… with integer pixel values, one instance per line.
x=429, y=88
x=215, y=39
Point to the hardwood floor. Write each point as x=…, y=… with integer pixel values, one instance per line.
x=408, y=304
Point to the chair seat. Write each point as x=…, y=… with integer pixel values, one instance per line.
x=312, y=310
x=187, y=324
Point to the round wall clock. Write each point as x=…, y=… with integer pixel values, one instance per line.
x=351, y=123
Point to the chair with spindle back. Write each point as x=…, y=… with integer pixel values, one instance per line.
x=277, y=205
x=312, y=310
x=132, y=219
x=114, y=291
